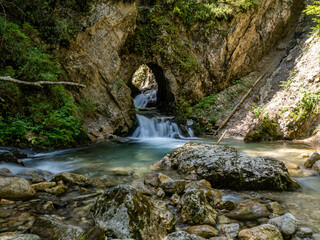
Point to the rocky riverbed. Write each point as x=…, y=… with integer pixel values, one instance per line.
x=39, y=205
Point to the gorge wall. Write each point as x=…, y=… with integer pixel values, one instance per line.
x=188, y=62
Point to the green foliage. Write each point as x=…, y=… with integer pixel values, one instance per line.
x=267, y=130
x=214, y=107
x=314, y=10
x=54, y=25
x=40, y=117
x=258, y=109
x=309, y=104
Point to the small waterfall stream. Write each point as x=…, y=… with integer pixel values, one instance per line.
x=154, y=125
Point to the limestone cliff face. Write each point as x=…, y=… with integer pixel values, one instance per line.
x=292, y=96
x=98, y=57
x=93, y=59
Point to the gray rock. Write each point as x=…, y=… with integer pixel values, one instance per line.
x=8, y=157
x=248, y=210
x=72, y=179
x=287, y=224
x=181, y=235
x=276, y=208
x=50, y=228
x=194, y=208
x=18, y=153
x=124, y=212
x=263, y=232
x=225, y=167
x=316, y=166
x=312, y=159
x=230, y=230
x=35, y=175
x=165, y=182
x=304, y=232
x=5, y=172
x=15, y=188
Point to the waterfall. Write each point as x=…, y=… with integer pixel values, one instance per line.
x=156, y=126
x=142, y=100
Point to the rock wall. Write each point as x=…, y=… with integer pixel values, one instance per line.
x=97, y=58
x=292, y=96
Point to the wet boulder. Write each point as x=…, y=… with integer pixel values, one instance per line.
x=5, y=172
x=230, y=230
x=168, y=185
x=15, y=188
x=124, y=212
x=225, y=167
x=312, y=159
x=95, y=233
x=50, y=228
x=72, y=179
x=248, y=210
x=287, y=224
x=8, y=157
x=205, y=231
x=181, y=235
x=34, y=175
x=316, y=166
x=194, y=208
x=263, y=232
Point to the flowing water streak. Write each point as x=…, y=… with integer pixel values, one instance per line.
x=142, y=100
x=156, y=126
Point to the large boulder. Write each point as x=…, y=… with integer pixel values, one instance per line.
x=225, y=167
x=50, y=228
x=262, y=232
x=72, y=179
x=8, y=157
x=15, y=188
x=124, y=212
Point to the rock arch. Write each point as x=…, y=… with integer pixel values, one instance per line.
x=99, y=58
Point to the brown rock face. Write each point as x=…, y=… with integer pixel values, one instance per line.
x=97, y=59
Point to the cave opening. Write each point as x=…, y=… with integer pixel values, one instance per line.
x=149, y=87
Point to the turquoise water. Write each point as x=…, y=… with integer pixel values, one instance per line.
x=130, y=160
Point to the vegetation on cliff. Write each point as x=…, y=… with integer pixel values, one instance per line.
x=46, y=117
x=159, y=23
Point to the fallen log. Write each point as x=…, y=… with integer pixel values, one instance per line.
x=39, y=83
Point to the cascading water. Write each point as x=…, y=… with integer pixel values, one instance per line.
x=142, y=100
x=156, y=126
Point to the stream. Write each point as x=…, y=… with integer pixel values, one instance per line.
x=130, y=160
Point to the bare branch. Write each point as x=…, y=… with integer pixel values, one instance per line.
x=39, y=83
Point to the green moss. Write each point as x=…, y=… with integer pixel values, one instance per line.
x=266, y=130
